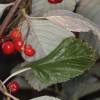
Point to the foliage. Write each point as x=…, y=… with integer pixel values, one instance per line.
x=70, y=59
x=59, y=55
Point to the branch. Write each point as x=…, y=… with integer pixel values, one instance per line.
x=3, y=89
x=9, y=16
x=16, y=73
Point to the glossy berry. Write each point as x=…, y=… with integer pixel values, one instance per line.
x=18, y=43
x=13, y=86
x=8, y=47
x=15, y=34
x=29, y=51
x=55, y=1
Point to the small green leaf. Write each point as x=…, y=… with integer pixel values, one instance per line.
x=70, y=59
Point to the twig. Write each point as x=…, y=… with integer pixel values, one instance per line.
x=11, y=96
x=16, y=73
x=3, y=89
x=9, y=16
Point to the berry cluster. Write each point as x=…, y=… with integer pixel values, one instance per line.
x=16, y=43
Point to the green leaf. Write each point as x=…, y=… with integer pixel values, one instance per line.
x=70, y=59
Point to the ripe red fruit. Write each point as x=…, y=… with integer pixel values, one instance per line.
x=13, y=86
x=15, y=34
x=18, y=43
x=8, y=47
x=55, y=1
x=29, y=51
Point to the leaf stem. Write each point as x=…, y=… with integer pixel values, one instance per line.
x=16, y=73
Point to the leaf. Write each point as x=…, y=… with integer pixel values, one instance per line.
x=80, y=87
x=44, y=37
x=86, y=89
x=39, y=7
x=76, y=22
x=3, y=7
x=71, y=21
x=90, y=10
x=45, y=98
x=70, y=59
x=86, y=84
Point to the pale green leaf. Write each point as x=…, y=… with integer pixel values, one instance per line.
x=90, y=10
x=39, y=7
x=44, y=37
x=89, y=31
x=71, y=21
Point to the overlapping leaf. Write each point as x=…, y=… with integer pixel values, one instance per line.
x=70, y=59
x=39, y=7
x=90, y=10
x=44, y=36
x=71, y=21
x=76, y=22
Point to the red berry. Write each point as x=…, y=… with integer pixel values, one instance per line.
x=55, y=1
x=18, y=43
x=8, y=47
x=13, y=86
x=29, y=51
x=15, y=34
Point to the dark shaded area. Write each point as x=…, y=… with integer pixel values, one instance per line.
x=6, y=1
x=91, y=96
x=30, y=93
x=7, y=63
